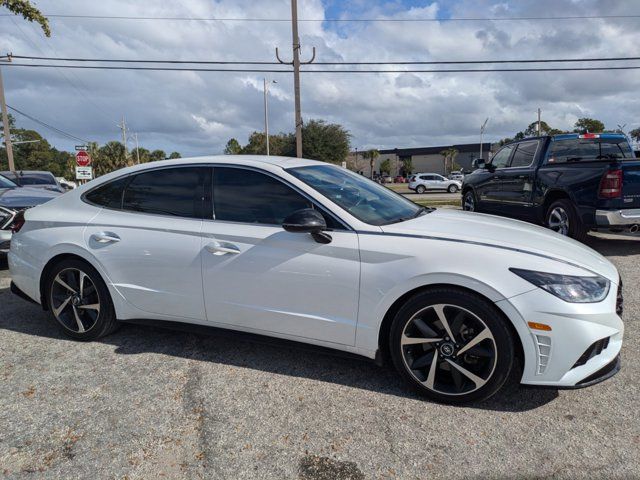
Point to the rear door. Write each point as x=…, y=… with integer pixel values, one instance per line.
x=148, y=239
x=516, y=181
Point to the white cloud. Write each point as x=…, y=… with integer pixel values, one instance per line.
x=196, y=112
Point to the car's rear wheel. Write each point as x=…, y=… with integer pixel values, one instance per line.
x=469, y=203
x=562, y=218
x=452, y=346
x=421, y=189
x=79, y=300
x=452, y=188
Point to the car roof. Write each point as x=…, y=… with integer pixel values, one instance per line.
x=26, y=172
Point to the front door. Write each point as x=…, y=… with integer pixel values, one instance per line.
x=488, y=191
x=259, y=277
x=517, y=180
x=149, y=241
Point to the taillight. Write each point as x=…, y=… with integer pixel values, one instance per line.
x=611, y=184
x=18, y=222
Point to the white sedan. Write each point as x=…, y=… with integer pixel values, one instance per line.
x=308, y=251
x=422, y=182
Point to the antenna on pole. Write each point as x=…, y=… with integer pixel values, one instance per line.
x=296, y=72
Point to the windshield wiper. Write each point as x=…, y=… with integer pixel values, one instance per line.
x=422, y=210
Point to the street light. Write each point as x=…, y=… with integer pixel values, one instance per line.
x=482, y=127
x=266, y=111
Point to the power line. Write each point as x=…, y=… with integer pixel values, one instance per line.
x=46, y=125
x=253, y=70
x=345, y=20
x=403, y=62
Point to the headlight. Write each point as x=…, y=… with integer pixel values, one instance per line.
x=5, y=216
x=567, y=287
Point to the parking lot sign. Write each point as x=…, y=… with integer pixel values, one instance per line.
x=84, y=173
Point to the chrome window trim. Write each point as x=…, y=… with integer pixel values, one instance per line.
x=211, y=166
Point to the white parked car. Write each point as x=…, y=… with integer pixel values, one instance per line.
x=314, y=253
x=422, y=182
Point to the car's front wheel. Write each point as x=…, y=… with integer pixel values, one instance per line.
x=452, y=346
x=452, y=188
x=79, y=300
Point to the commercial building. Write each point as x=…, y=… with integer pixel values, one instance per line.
x=423, y=159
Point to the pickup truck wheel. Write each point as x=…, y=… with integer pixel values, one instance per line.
x=469, y=203
x=562, y=218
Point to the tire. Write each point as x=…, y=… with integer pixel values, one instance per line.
x=562, y=218
x=428, y=367
x=469, y=202
x=452, y=189
x=81, y=312
x=421, y=189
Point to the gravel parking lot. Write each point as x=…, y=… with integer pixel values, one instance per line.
x=149, y=402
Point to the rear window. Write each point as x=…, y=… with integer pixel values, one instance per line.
x=576, y=149
x=108, y=195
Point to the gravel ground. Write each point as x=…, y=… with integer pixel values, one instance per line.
x=147, y=402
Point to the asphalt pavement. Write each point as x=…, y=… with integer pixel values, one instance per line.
x=148, y=402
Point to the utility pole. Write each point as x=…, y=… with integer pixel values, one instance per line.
x=482, y=127
x=5, y=123
x=539, y=128
x=266, y=111
x=296, y=73
x=123, y=126
x=135, y=135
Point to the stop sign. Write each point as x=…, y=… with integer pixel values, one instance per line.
x=83, y=159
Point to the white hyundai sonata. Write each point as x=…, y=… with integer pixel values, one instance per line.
x=311, y=252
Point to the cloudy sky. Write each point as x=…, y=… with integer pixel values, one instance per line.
x=196, y=113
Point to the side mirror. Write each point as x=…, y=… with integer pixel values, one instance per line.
x=479, y=163
x=310, y=221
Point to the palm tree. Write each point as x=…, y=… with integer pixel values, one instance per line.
x=449, y=156
x=372, y=155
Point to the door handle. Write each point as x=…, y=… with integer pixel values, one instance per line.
x=105, y=237
x=222, y=248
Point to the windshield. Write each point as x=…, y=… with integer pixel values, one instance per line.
x=366, y=200
x=37, y=179
x=6, y=183
x=575, y=149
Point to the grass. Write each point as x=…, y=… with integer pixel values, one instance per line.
x=438, y=203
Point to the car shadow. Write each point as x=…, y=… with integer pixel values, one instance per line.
x=283, y=357
x=619, y=245
x=3, y=263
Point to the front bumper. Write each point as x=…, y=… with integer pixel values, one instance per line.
x=582, y=347
x=618, y=218
x=5, y=241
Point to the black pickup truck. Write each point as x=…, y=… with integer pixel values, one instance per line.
x=570, y=183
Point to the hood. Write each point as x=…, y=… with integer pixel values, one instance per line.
x=499, y=232
x=25, y=196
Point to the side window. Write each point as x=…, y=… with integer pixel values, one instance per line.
x=241, y=195
x=525, y=154
x=170, y=191
x=425, y=177
x=108, y=195
x=501, y=159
